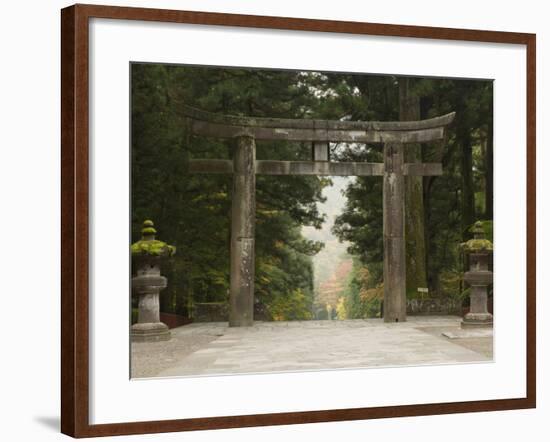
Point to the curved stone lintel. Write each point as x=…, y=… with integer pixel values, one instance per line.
x=229, y=126
x=328, y=125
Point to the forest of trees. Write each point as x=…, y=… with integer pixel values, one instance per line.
x=193, y=211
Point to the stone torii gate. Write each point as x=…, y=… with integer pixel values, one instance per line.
x=244, y=167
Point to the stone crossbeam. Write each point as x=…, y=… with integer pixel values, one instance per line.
x=288, y=123
x=344, y=136
x=322, y=168
x=208, y=124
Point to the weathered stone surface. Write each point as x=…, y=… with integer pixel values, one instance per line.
x=149, y=307
x=287, y=123
x=325, y=168
x=318, y=135
x=469, y=333
x=395, y=303
x=478, y=277
x=422, y=169
x=241, y=312
x=148, y=283
x=314, y=345
x=348, y=168
x=228, y=126
x=320, y=151
x=150, y=332
x=433, y=306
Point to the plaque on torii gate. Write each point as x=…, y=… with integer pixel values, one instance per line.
x=244, y=167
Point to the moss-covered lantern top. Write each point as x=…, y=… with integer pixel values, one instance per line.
x=479, y=243
x=149, y=246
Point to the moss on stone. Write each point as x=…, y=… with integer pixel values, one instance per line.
x=477, y=245
x=152, y=248
x=148, y=245
x=148, y=231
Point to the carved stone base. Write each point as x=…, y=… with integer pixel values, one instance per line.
x=477, y=320
x=150, y=332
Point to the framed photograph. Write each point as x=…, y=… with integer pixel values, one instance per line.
x=272, y=221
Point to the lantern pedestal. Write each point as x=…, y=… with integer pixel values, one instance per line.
x=479, y=277
x=147, y=284
x=478, y=315
x=150, y=332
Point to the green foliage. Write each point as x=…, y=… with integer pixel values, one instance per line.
x=449, y=200
x=341, y=309
x=364, y=296
x=487, y=226
x=193, y=210
x=451, y=283
x=293, y=306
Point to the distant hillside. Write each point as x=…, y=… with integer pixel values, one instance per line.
x=334, y=287
x=330, y=264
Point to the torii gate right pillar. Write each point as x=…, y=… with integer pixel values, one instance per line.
x=395, y=301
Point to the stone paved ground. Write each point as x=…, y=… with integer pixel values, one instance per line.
x=214, y=348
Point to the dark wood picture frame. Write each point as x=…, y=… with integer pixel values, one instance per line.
x=75, y=220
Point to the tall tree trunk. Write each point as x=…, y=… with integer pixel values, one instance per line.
x=489, y=172
x=409, y=109
x=468, y=201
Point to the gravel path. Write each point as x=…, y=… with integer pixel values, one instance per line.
x=150, y=358
x=215, y=348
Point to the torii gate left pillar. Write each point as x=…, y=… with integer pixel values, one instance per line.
x=243, y=214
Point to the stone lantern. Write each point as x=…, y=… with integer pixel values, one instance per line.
x=148, y=254
x=478, y=250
